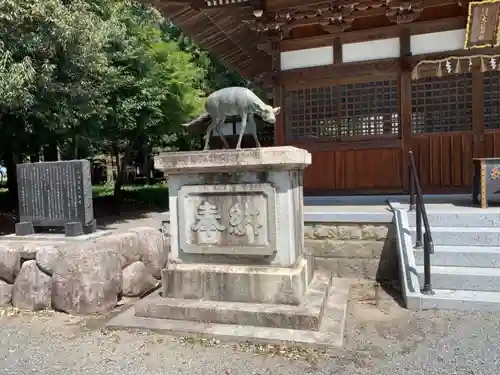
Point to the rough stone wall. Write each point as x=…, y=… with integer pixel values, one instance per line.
x=84, y=277
x=354, y=249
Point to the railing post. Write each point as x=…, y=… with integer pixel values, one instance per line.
x=428, y=250
x=411, y=183
x=418, y=224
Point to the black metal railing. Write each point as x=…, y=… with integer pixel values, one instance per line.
x=417, y=204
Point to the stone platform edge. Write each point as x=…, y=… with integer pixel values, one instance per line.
x=275, y=158
x=329, y=336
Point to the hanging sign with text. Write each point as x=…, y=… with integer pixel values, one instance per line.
x=483, y=24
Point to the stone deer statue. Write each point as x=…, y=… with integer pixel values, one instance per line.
x=232, y=101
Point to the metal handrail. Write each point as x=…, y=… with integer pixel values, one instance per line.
x=417, y=202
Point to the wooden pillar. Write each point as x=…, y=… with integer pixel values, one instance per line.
x=478, y=112
x=405, y=105
x=279, y=128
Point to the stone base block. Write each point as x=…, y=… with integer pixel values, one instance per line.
x=24, y=228
x=73, y=229
x=307, y=316
x=57, y=237
x=253, y=284
x=256, y=323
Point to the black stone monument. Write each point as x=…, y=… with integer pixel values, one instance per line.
x=55, y=195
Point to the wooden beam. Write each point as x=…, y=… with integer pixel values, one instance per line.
x=338, y=73
x=372, y=34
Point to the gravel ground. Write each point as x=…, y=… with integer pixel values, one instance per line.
x=381, y=338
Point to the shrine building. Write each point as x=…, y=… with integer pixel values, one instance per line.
x=363, y=82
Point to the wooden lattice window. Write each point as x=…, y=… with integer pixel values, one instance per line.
x=311, y=112
x=369, y=109
x=442, y=104
x=491, y=100
x=343, y=111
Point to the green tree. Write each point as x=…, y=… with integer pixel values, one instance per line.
x=99, y=75
x=153, y=86
x=53, y=57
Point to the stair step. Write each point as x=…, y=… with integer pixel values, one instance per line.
x=462, y=300
x=458, y=218
x=463, y=278
x=462, y=256
x=463, y=236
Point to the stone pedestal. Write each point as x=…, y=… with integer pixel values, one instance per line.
x=236, y=208
x=237, y=258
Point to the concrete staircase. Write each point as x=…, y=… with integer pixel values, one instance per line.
x=465, y=268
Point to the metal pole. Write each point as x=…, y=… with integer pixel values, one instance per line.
x=411, y=182
x=418, y=224
x=428, y=250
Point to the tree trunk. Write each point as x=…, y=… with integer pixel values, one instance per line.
x=146, y=165
x=50, y=152
x=11, y=161
x=121, y=170
x=109, y=169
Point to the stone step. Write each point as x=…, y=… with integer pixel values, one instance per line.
x=239, y=313
x=307, y=316
x=460, y=219
x=462, y=236
x=465, y=300
x=463, y=278
x=462, y=256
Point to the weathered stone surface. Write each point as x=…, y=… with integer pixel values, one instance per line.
x=349, y=232
x=153, y=245
x=32, y=288
x=354, y=249
x=47, y=256
x=87, y=280
x=344, y=249
x=137, y=280
x=126, y=245
x=5, y=293
x=231, y=283
x=308, y=231
x=10, y=263
x=375, y=232
x=320, y=231
x=358, y=268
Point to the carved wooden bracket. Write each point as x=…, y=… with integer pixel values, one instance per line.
x=401, y=11
x=333, y=18
x=337, y=18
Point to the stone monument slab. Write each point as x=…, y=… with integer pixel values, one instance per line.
x=55, y=194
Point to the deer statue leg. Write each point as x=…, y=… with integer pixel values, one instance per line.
x=221, y=136
x=244, y=116
x=209, y=131
x=253, y=125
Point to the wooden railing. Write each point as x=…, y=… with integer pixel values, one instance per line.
x=417, y=204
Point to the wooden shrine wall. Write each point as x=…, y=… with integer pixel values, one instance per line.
x=360, y=127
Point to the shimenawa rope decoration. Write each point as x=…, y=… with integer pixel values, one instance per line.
x=454, y=64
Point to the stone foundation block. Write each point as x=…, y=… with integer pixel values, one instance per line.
x=307, y=316
x=259, y=284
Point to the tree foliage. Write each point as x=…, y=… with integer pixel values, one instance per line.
x=96, y=76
